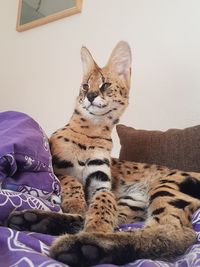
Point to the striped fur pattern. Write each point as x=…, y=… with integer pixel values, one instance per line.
x=99, y=192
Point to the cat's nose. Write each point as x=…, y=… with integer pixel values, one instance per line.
x=91, y=96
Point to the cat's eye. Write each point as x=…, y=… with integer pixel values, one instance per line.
x=104, y=86
x=85, y=87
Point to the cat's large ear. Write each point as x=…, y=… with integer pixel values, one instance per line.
x=88, y=62
x=120, y=61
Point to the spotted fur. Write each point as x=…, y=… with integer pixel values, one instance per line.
x=99, y=192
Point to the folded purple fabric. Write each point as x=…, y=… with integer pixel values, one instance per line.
x=27, y=180
x=25, y=160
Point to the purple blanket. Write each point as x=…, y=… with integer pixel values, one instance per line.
x=27, y=182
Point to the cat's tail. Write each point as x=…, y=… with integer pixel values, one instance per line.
x=163, y=242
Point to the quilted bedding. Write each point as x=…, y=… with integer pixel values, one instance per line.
x=27, y=181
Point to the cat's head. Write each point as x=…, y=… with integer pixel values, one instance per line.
x=104, y=91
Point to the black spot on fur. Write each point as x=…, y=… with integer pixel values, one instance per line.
x=179, y=203
x=116, y=121
x=146, y=166
x=106, y=128
x=99, y=175
x=76, y=187
x=81, y=163
x=184, y=174
x=172, y=173
x=99, y=162
x=66, y=139
x=160, y=168
x=101, y=189
x=191, y=187
x=122, y=182
x=158, y=211
x=98, y=137
x=126, y=197
x=60, y=164
x=134, y=208
x=157, y=219
x=165, y=181
x=114, y=161
x=77, y=112
x=82, y=146
x=160, y=194
x=163, y=186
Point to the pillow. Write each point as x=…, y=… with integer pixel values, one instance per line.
x=25, y=159
x=174, y=148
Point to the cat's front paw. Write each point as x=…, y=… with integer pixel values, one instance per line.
x=45, y=222
x=88, y=249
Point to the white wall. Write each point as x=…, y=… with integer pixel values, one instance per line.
x=40, y=69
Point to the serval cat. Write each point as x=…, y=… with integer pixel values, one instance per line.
x=99, y=192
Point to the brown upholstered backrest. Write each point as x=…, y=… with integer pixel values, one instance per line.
x=174, y=148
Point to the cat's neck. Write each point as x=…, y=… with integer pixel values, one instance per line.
x=94, y=126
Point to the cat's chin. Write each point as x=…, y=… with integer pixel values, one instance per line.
x=96, y=111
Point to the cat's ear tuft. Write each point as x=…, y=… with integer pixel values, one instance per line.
x=120, y=61
x=87, y=61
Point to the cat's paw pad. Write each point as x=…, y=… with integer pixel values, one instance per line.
x=80, y=250
x=46, y=222
x=28, y=220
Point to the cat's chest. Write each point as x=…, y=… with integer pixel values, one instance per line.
x=87, y=162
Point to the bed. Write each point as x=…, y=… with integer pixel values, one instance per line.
x=28, y=182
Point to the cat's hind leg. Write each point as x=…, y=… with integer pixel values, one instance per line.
x=167, y=234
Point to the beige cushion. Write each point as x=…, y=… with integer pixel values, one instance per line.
x=174, y=148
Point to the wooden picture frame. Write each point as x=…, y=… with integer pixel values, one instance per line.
x=20, y=27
